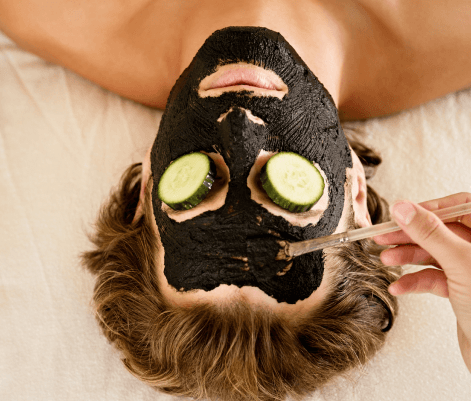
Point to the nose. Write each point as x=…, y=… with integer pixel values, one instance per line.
x=241, y=141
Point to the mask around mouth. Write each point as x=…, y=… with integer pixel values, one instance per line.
x=235, y=244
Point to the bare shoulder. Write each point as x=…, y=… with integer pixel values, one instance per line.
x=60, y=30
x=422, y=50
x=96, y=39
x=53, y=19
x=420, y=21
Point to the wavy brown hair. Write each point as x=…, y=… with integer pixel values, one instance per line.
x=235, y=352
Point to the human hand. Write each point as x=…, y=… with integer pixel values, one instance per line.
x=426, y=240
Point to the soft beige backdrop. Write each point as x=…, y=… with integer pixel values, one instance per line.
x=64, y=142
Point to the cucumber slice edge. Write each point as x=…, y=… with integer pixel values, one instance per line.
x=311, y=182
x=183, y=190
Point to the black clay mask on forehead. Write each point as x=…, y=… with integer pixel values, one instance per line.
x=234, y=244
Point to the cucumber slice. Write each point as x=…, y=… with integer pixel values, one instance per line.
x=187, y=181
x=292, y=181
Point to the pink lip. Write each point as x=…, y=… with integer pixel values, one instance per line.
x=243, y=76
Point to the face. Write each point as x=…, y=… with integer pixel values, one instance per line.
x=232, y=237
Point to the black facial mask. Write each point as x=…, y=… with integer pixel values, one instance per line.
x=208, y=250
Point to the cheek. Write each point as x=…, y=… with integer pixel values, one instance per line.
x=259, y=195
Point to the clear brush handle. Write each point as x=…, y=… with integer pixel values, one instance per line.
x=311, y=245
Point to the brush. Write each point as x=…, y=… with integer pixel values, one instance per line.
x=292, y=249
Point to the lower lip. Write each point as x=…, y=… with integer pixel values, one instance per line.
x=243, y=76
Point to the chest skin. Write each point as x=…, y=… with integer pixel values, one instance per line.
x=394, y=54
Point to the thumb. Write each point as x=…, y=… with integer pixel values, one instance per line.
x=429, y=232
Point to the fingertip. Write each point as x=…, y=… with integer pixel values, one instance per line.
x=387, y=259
x=429, y=280
x=404, y=212
x=395, y=289
x=384, y=259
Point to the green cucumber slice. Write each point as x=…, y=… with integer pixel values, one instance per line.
x=292, y=181
x=187, y=181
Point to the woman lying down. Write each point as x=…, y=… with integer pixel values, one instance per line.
x=188, y=284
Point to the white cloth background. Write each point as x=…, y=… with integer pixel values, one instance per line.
x=64, y=142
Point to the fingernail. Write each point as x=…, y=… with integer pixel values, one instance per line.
x=404, y=212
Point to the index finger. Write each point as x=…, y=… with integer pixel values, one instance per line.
x=400, y=237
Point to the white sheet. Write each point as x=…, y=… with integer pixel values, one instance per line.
x=64, y=142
